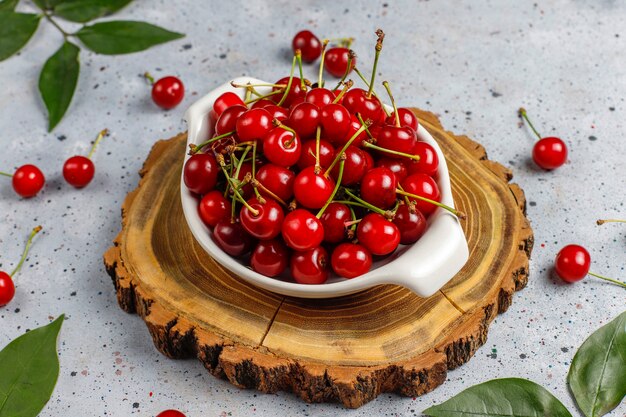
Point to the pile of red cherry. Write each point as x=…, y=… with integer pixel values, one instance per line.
x=307, y=171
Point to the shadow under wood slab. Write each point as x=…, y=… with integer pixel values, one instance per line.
x=348, y=349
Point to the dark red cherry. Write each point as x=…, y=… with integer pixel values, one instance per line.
x=336, y=61
x=228, y=119
x=411, y=223
x=423, y=186
x=295, y=91
x=400, y=139
x=428, y=163
x=312, y=190
x=304, y=119
x=333, y=220
x=335, y=120
x=266, y=223
x=200, y=173
x=407, y=118
x=350, y=260
x=78, y=171
x=320, y=97
x=301, y=230
x=310, y=267
x=307, y=157
x=270, y=257
x=214, y=207
x=253, y=124
x=377, y=234
x=168, y=92
x=226, y=100
x=282, y=147
x=309, y=45
x=354, y=166
x=232, y=238
x=397, y=166
x=279, y=180
x=378, y=187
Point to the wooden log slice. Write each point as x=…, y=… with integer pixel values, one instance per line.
x=347, y=349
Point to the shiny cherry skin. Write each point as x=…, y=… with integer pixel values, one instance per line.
x=321, y=97
x=279, y=180
x=304, y=119
x=335, y=121
x=295, y=91
x=407, y=118
x=572, y=263
x=28, y=180
x=282, y=147
x=369, y=161
x=277, y=112
x=351, y=260
x=399, y=139
x=370, y=108
x=377, y=234
x=312, y=190
x=200, y=173
x=270, y=257
x=423, y=186
x=336, y=61
x=7, y=288
x=411, y=223
x=333, y=220
x=168, y=92
x=232, y=238
x=78, y=171
x=428, y=163
x=307, y=157
x=170, y=413
x=309, y=45
x=310, y=267
x=213, y=208
x=253, y=124
x=378, y=187
x=226, y=100
x=355, y=125
x=397, y=166
x=354, y=166
x=264, y=102
x=301, y=230
x=550, y=153
x=228, y=119
x=264, y=225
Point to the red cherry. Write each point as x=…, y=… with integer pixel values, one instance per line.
x=354, y=166
x=170, y=413
x=304, y=119
x=350, y=260
x=335, y=120
x=200, y=173
x=310, y=267
x=423, y=186
x=369, y=161
x=400, y=139
x=282, y=147
x=270, y=257
x=428, y=163
x=228, y=119
x=266, y=223
x=378, y=187
x=407, y=118
x=28, y=180
x=214, y=207
x=354, y=126
x=295, y=91
x=295, y=102
x=308, y=44
x=572, y=263
x=312, y=190
x=320, y=97
x=301, y=230
x=307, y=157
x=279, y=180
x=333, y=220
x=378, y=234
x=226, y=100
x=7, y=289
x=336, y=61
x=261, y=104
x=550, y=153
x=232, y=238
x=168, y=92
x=253, y=124
x=78, y=171
x=277, y=112
x=370, y=108
x=397, y=166
x=411, y=223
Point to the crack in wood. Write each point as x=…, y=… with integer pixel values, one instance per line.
x=269, y=325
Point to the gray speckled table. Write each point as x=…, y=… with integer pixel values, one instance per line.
x=474, y=63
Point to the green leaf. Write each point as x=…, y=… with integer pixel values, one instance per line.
x=123, y=36
x=48, y=4
x=8, y=5
x=82, y=11
x=597, y=376
x=57, y=82
x=29, y=366
x=15, y=31
x=501, y=397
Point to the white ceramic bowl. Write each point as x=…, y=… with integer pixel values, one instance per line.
x=423, y=267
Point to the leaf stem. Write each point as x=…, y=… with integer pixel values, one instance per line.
x=101, y=135
x=522, y=112
x=29, y=242
x=614, y=281
x=55, y=24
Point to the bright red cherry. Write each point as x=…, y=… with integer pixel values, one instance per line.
x=295, y=91
x=367, y=105
x=335, y=120
x=308, y=44
x=550, y=153
x=399, y=139
x=355, y=125
x=354, y=166
x=213, y=208
x=304, y=119
x=228, y=119
x=350, y=260
x=200, y=173
x=378, y=234
x=333, y=219
x=310, y=267
x=170, y=413
x=270, y=257
x=168, y=92
x=423, y=186
x=301, y=230
x=278, y=180
x=411, y=223
x=312, y=190
x=282, y=147
x=378, y=187
x=27, y=180
x=319, y=96
x=7, y=287
x=253, y=124
x=232, y=238
x=407, y=118
x=78, y=171
x=307, y=157
x=276, y=112
x=336, y=61
x=397, y=166
x=428, y=163
x=572, y=263
x=226, y=100
x=262, y=221
x=264, y=102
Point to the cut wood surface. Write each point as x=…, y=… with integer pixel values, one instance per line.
x=347, y=349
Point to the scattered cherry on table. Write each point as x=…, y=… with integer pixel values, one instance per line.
x=549, y=152
x=572, y=264
x=308, y=44
x=170, y=413
x=167, y=92
x=79, y=170
x=27, y=180
x=7, y=287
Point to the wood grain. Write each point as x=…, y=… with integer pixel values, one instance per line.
x=347, y=349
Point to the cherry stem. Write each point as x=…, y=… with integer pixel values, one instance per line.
x=378, y=48
x=29, y=242
x=254, y=100
x=6, y=174
x=149, y=77
x=358, y=115
x=342, y=41
x=365, y=203
x=348, y=143
x=601, y=222
x=256, y=183
x=299, y=58
x=457, y=213
x=390, y=151
x=393, y=102
x=248, y=85
x=101, y=135
x=193, y=149
x=352, y=223
x=232, y=186
x=337, y=185
x=278, y=123
x=368, y=85
x=319, y=77
x=351, y=56
x=288, y=88
x=522, y=112
x=614, y=281
x=344, y=90
x=318, y=137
